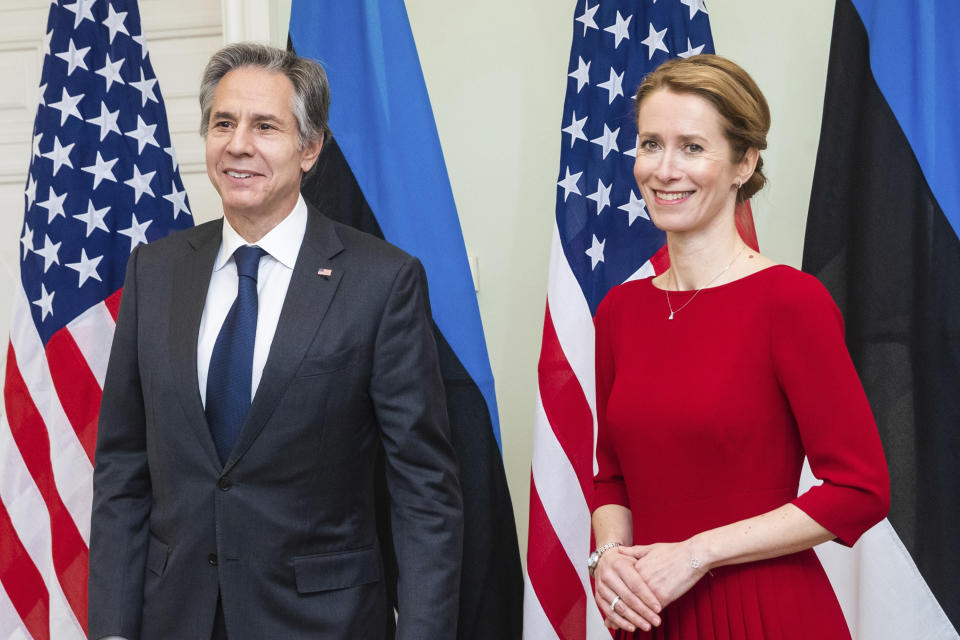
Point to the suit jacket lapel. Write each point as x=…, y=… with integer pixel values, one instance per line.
x=191, y=279
x=312, y=286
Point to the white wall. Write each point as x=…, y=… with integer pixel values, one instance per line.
x=496, y=72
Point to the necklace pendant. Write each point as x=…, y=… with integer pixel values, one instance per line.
x=670, y=317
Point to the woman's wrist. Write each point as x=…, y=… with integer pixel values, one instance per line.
x=703, y=552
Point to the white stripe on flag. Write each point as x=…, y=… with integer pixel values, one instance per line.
x=72, y=471
x=10, y=621
x=566, y=508
x=880, y=589
x=93, y=330
x=28, y=514
x=573, y=323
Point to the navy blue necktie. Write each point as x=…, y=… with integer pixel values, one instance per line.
x=229, y=379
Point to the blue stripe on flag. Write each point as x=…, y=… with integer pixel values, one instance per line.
x=914, y=61
x=381, y=117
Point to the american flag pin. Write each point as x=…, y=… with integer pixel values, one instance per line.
x=326, y=273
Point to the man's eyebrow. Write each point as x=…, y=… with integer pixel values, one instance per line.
x=256, y=117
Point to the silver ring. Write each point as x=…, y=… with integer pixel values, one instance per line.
x=613, y=605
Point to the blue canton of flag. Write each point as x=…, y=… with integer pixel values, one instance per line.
x=605, y=231
x=103, y=174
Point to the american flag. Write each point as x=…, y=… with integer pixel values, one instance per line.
x=603, y=237
x=102, y=178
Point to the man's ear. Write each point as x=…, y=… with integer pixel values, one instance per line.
x=310, y=154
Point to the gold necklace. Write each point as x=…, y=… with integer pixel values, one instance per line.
x=673, y=311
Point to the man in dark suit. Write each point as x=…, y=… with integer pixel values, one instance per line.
x=259, y=365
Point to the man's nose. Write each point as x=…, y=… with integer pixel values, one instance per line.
x=241, y=142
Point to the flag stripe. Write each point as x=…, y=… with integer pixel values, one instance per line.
x=21, y=580
x=28, y=515
x=536, y=626
x=78, y=390
x=558, y=589
x=70, y=556
x=559, y=492
x=71, y=465
x=566, y=407
x=92, y=331
x=113, y=303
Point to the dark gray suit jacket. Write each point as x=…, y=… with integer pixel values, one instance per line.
x=285, y=530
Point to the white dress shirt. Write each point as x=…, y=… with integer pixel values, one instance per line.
x=282, y=245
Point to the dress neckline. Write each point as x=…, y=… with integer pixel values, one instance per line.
x=725, y=285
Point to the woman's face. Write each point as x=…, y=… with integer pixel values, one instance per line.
x=685, y=167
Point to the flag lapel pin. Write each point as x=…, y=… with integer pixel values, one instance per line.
x=325, y=272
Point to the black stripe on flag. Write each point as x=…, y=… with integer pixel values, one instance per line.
x=879, y=241
x=491, y=585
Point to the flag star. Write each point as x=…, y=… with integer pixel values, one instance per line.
x=60, y=155
x=93, y=218
x=695, y=5
x=50, y=252
x=74, y=57
x=582, y=74
x=608, y=141
x=601, y=196
x=42, y=97
x=179, y=200
x=654, y=41
x=633, y=152
x=587, y=18
x=595, y=252
x=614, y=85
x=107, y=121
x=101, y=170
x=636, y=208
x=142, y=41
x=67, y=106
x=53, y=204
x=170, y=151
x=114, y=22
x=137, y=232
x=45, y=302
x=36, y=144
x=82, y=9
x=26, y=240
x=145, y=87
x=30, y=191
x=691, y=50
x=86, y=268
x=143, y=134
x=569, y=183
x=111, y=71
x=140, y=183
x=575, y=129
x=47, y=37
x=620, y=29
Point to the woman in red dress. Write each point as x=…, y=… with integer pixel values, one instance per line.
x=714, y=380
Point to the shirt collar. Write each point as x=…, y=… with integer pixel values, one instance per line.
x=282, y=242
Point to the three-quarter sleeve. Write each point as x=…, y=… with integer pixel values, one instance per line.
x=608, y=483
x=833, y=416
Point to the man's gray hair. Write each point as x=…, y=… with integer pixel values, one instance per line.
x=311, y=91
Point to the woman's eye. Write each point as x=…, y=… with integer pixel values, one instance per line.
x=649, y=145
x=694, y=148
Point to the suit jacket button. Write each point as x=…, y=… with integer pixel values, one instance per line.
x=212, y=559
x=224, y=484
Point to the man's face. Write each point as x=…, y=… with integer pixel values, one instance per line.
x=252, y=145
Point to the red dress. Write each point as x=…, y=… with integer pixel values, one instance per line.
x=705, y=419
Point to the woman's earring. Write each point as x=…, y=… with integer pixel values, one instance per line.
x=739, y=182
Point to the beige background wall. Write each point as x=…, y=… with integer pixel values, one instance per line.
x=496, y=72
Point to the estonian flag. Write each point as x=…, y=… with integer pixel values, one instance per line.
x=882, y=235
x=384, y=174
